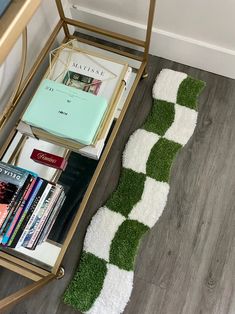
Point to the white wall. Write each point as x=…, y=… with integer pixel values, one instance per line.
x=198, y=33
x=211, y=21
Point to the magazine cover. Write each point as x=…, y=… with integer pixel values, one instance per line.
x=83, y=82
x=7, y=192
x=18, y=211
x=89, y=72
x=11, y=181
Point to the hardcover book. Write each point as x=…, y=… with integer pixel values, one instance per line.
x=66, y=112
x=90, y=72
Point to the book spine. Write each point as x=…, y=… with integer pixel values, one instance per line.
x=26, y=215
x=54, y=201
x=47, y=209
x=36, y=216
x=52, y=218
x=16, y=217
x=28, y=221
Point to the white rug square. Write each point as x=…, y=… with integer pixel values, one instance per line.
x=115, y=293
x=101, y=232
x=183, y=126
x=153, y=201
x=138, y=149
x=167, y=85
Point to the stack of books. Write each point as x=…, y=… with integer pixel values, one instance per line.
x=29, y=206
x=75, y=103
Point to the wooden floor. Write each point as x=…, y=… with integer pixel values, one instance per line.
x=186, y=263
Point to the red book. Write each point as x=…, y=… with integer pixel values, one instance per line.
x=49, y=159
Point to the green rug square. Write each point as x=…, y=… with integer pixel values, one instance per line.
x=125, y=244
x=161, y=158
x=87, y=283
x=128, y=192
x=160, y=118
x=189, y=91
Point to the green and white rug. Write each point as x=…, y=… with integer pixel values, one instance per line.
x=104, y=280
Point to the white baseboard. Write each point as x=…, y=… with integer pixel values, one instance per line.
x=165, y=44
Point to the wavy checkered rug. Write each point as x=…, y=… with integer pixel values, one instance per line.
x=104, y=280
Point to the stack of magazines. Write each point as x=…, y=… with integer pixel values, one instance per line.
x=29, y=206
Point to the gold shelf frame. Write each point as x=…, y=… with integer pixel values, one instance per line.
x=39, y=276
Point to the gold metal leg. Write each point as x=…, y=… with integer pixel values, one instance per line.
x=60, y=273
x=145, y=75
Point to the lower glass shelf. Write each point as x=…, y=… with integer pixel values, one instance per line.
x=44, y=256
x=75, y=180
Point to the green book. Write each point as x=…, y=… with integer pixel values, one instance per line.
x=66, y=112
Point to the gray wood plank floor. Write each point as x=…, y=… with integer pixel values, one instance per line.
x=186, y=263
